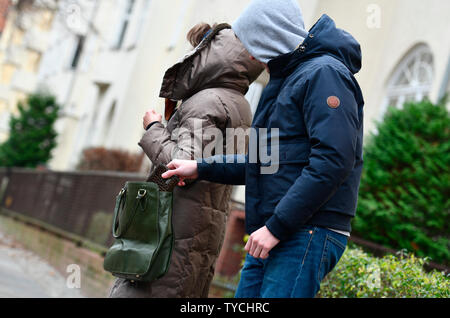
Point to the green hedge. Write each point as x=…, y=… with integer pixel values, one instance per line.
x=360, y=275
x=32, y=136
x=405, y=186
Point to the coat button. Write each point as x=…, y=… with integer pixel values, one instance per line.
x=311, y=35
x=302, y=48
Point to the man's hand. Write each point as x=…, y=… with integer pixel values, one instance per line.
x=184, y=169
x=260, y=243
x=151, y=116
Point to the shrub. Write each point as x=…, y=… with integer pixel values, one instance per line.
x=100, y=158
x=31, y=134
x=405, y=186
x=360, y=275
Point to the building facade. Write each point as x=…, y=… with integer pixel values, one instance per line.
x=23, y=42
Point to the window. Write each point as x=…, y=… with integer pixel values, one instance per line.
x=78, y=51
x=178, y=23
x=94, y=125
x=124, y=24
x=137, y=26
x=107, y=124
x=412, y=80
x=4, y=117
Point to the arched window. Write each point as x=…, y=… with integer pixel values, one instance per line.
x=412, y=79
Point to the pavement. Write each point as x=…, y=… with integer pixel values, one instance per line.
x=25, y=275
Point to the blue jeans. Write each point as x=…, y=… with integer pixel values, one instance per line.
x=295, y=267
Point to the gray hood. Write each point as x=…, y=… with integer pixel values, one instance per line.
x=270, y=28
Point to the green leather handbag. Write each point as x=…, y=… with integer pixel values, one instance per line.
x=142, y=228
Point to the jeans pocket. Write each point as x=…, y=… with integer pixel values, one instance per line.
x=332, y=252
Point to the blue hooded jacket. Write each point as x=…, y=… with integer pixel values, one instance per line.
x=317, y=105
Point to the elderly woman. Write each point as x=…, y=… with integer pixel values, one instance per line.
x=211, y=82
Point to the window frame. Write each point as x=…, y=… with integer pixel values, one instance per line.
x=420, y=90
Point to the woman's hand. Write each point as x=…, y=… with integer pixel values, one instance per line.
x=184, y=169
x=151, y=116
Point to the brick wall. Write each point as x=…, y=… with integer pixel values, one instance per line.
x=4, y=5
x=229, y=261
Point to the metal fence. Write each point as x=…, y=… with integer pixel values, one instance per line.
x=81, y=203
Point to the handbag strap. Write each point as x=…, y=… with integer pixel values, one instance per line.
x=120, y=203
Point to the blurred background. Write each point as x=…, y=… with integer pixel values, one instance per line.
x=76, y=78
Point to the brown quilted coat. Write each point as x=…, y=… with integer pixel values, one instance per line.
x=211, y=82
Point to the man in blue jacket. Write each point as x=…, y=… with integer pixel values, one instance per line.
x=298, y=217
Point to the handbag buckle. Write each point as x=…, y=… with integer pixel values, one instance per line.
x=141, y=193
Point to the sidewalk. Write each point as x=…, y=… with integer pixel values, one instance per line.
x=24, y=275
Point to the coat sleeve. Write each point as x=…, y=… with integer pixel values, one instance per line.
x=197, y=116
x=333, y=129
x=228, y=169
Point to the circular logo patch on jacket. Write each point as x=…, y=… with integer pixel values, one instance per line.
x=333, y=101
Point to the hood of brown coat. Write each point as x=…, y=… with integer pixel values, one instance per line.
x=220, y=60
